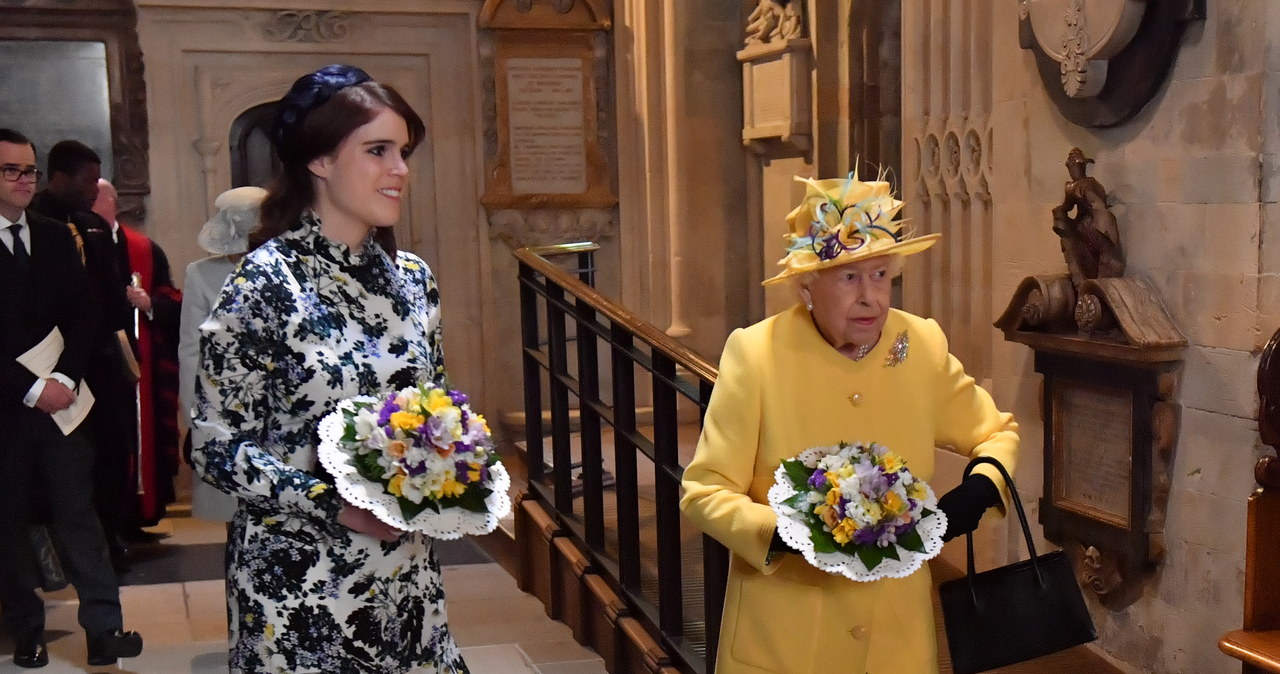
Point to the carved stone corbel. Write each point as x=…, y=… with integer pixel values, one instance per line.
x=1101, y=60
x=548, y=226
x=776, y=62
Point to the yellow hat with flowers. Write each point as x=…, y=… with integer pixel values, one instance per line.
x=843, y=220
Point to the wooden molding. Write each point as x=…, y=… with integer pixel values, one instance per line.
x=545, y=15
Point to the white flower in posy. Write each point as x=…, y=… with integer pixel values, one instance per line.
x=368, y=432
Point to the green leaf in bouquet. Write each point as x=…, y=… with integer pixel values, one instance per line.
x=798, y=502
x=912, y=541
x=890, y=552
x=472, y=499
x=797, y=472
x=410, y=510
x=348, y=433
x=871, y=555
x=822, y=539
x=367, y=466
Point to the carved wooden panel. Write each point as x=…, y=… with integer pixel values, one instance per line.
x=112, y=22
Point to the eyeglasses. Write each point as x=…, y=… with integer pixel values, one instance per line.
x=15, y=173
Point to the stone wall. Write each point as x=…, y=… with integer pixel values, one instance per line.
x=1192, y=178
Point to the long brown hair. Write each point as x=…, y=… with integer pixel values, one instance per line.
x=319, y=133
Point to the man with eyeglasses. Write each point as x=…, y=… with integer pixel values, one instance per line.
x=43, y=286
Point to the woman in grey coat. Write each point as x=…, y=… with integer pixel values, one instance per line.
x=226, y=237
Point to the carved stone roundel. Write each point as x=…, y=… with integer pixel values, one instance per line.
x=972, y=152
x=930, y=157
x=952, y=155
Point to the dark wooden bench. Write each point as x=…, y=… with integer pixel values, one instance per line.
x=1257, y=644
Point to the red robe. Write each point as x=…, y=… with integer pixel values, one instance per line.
x=156, y=462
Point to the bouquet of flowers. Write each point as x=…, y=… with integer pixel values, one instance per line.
x=856, y=510
x=419, y=459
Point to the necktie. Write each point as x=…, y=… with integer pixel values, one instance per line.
x=19, y=248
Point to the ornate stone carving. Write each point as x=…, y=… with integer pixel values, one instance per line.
x=775, y=20
x=548, y=226
x=307, y=26
x=1083, y=36
x=1099, y=571
x=1102, y=60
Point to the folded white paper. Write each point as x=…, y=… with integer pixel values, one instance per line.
x=40, y=360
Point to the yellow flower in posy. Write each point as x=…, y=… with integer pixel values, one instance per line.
x=406, y=421
x=452, y=488
x=893, y=504
x=396, y=485
x=437, y=400
x=843, y=532
x=890, y=462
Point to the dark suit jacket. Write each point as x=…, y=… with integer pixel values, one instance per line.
x=51, y=294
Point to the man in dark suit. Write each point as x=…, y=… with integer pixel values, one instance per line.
x=43, y=286
x=74, y=171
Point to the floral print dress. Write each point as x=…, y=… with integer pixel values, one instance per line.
x=304, y=323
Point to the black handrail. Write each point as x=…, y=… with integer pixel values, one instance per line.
x=552, y=299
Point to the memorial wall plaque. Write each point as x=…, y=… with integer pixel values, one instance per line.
x=544, y=114
x=1093, y=451
x=548, y=153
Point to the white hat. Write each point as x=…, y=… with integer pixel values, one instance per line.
x=227, y=232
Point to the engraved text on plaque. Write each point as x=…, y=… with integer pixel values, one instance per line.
x=548, y=132
x=1092, y=453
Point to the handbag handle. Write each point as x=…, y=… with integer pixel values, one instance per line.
x=1022, y=518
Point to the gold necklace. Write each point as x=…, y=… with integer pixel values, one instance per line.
x=862, y=351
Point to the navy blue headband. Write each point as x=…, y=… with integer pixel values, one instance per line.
x=308, y=93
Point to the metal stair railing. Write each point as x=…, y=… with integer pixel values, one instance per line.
x=638, y=546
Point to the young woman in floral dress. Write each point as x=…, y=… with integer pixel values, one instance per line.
x=323, y=308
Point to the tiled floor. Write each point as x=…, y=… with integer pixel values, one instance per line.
x=501, y=630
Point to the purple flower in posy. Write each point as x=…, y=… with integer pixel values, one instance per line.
x=388, y=408
x=463, y=471
x=871, y=480
x=459, y=398
x=416, y=468
x=867, y=535
x=819, y=479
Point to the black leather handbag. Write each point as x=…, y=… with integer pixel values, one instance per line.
x=1013, y=613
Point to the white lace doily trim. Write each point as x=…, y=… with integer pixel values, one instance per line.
x=793, y=529
x=450, y=524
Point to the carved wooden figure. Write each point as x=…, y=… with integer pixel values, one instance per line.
x=1090, y=236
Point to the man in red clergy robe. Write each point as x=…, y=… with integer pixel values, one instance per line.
x=157, y=305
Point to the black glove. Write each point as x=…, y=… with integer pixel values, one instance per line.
x=965, y=504
x=777, y=546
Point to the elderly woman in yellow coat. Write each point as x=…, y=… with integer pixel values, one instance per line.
x=839, y=366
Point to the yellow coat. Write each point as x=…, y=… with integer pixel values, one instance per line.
x=781, y=390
